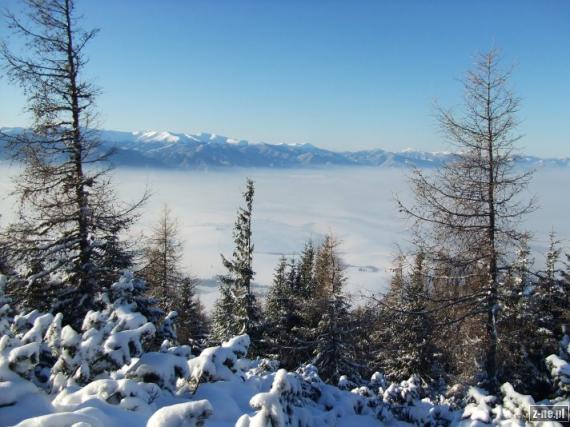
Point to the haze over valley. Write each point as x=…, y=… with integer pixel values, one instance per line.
x=356, y=204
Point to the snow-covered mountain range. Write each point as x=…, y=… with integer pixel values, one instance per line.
x=204, y=150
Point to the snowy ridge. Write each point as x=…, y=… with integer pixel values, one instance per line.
x=206, y=150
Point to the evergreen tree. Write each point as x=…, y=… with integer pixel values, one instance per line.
x=225, y=324
x=407, y=345
x=192, y=327
x=282, y=313
x=237, y=310
x=305, y=271
x=547, y=298
x=565, y=285
x=335, y=351
x=69, y=219
x=521, y=364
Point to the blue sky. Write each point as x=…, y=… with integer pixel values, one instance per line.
x=343, y=75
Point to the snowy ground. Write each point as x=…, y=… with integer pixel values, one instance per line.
x=356, y=204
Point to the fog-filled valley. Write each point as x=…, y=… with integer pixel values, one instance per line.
x=357, y=205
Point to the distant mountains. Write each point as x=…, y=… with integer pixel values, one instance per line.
x=205, y=151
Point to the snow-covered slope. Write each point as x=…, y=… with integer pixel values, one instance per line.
x=205, y=150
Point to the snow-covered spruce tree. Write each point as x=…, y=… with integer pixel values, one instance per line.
x=283, y=316
x=334, y=353
x=305, y=271
x=468, y=210
x=540, y=327
x=192, y=323
x=406, y=345
x=565, y=284
x=549, y=294
x=382, y=319
x=161, y=261
x=310, y=312
x=69, y=216
x=108, y=338
x=237, y=311
x=6, y=312
x=524, y=343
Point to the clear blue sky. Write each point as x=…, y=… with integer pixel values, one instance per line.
x=343, y=75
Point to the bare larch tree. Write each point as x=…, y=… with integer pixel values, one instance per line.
x=162, y=261
x=467, y=212
x=69, y=218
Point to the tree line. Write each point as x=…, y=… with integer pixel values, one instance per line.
x=466, y=305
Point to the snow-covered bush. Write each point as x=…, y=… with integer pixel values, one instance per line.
x=187, y=414
x=560, y=372
x=219, y=363
x=127, y=394
x=479, y=408
x=515, y=406
x=405, y=403
x=277, y=407
x=104, y=375
x=6, y=311
x=163, y=369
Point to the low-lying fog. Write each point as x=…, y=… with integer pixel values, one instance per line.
x=291, y=206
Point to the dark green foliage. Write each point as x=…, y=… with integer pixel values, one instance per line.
x=192, y=324
x=237, y=310
x=334, y=353
x=283, y=316
x=406, y=327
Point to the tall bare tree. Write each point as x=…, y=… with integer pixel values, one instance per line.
x=69, y=217
x=467, y=212
x=162, y=258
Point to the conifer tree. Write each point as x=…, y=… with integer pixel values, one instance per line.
x=407, y=347
x=520, y=364
x=225, y=324
x=162, y=258
x=548, y=298
x=469, y=209
x=237, y=310
x=335, y=352
x=283, y=315
x=305, y=271
x=565, y=285
x=69, y=218
x=192, y=327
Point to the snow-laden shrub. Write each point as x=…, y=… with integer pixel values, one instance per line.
x=125, y=393
x=277, y=407
x=515, y=406
x=187, y=414
x=109, y=340
x=219, y=363
x=39, y=328
x=168, y=326
x=19, y=398
x=302, y=399
x=405, y=403
x=560, y=373
x=6, y=311
x=23, y=359
x=163, y=369
x=479, y=408
x=72, y=419
x=559, y=367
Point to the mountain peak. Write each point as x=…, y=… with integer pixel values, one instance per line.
x=202, y=150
